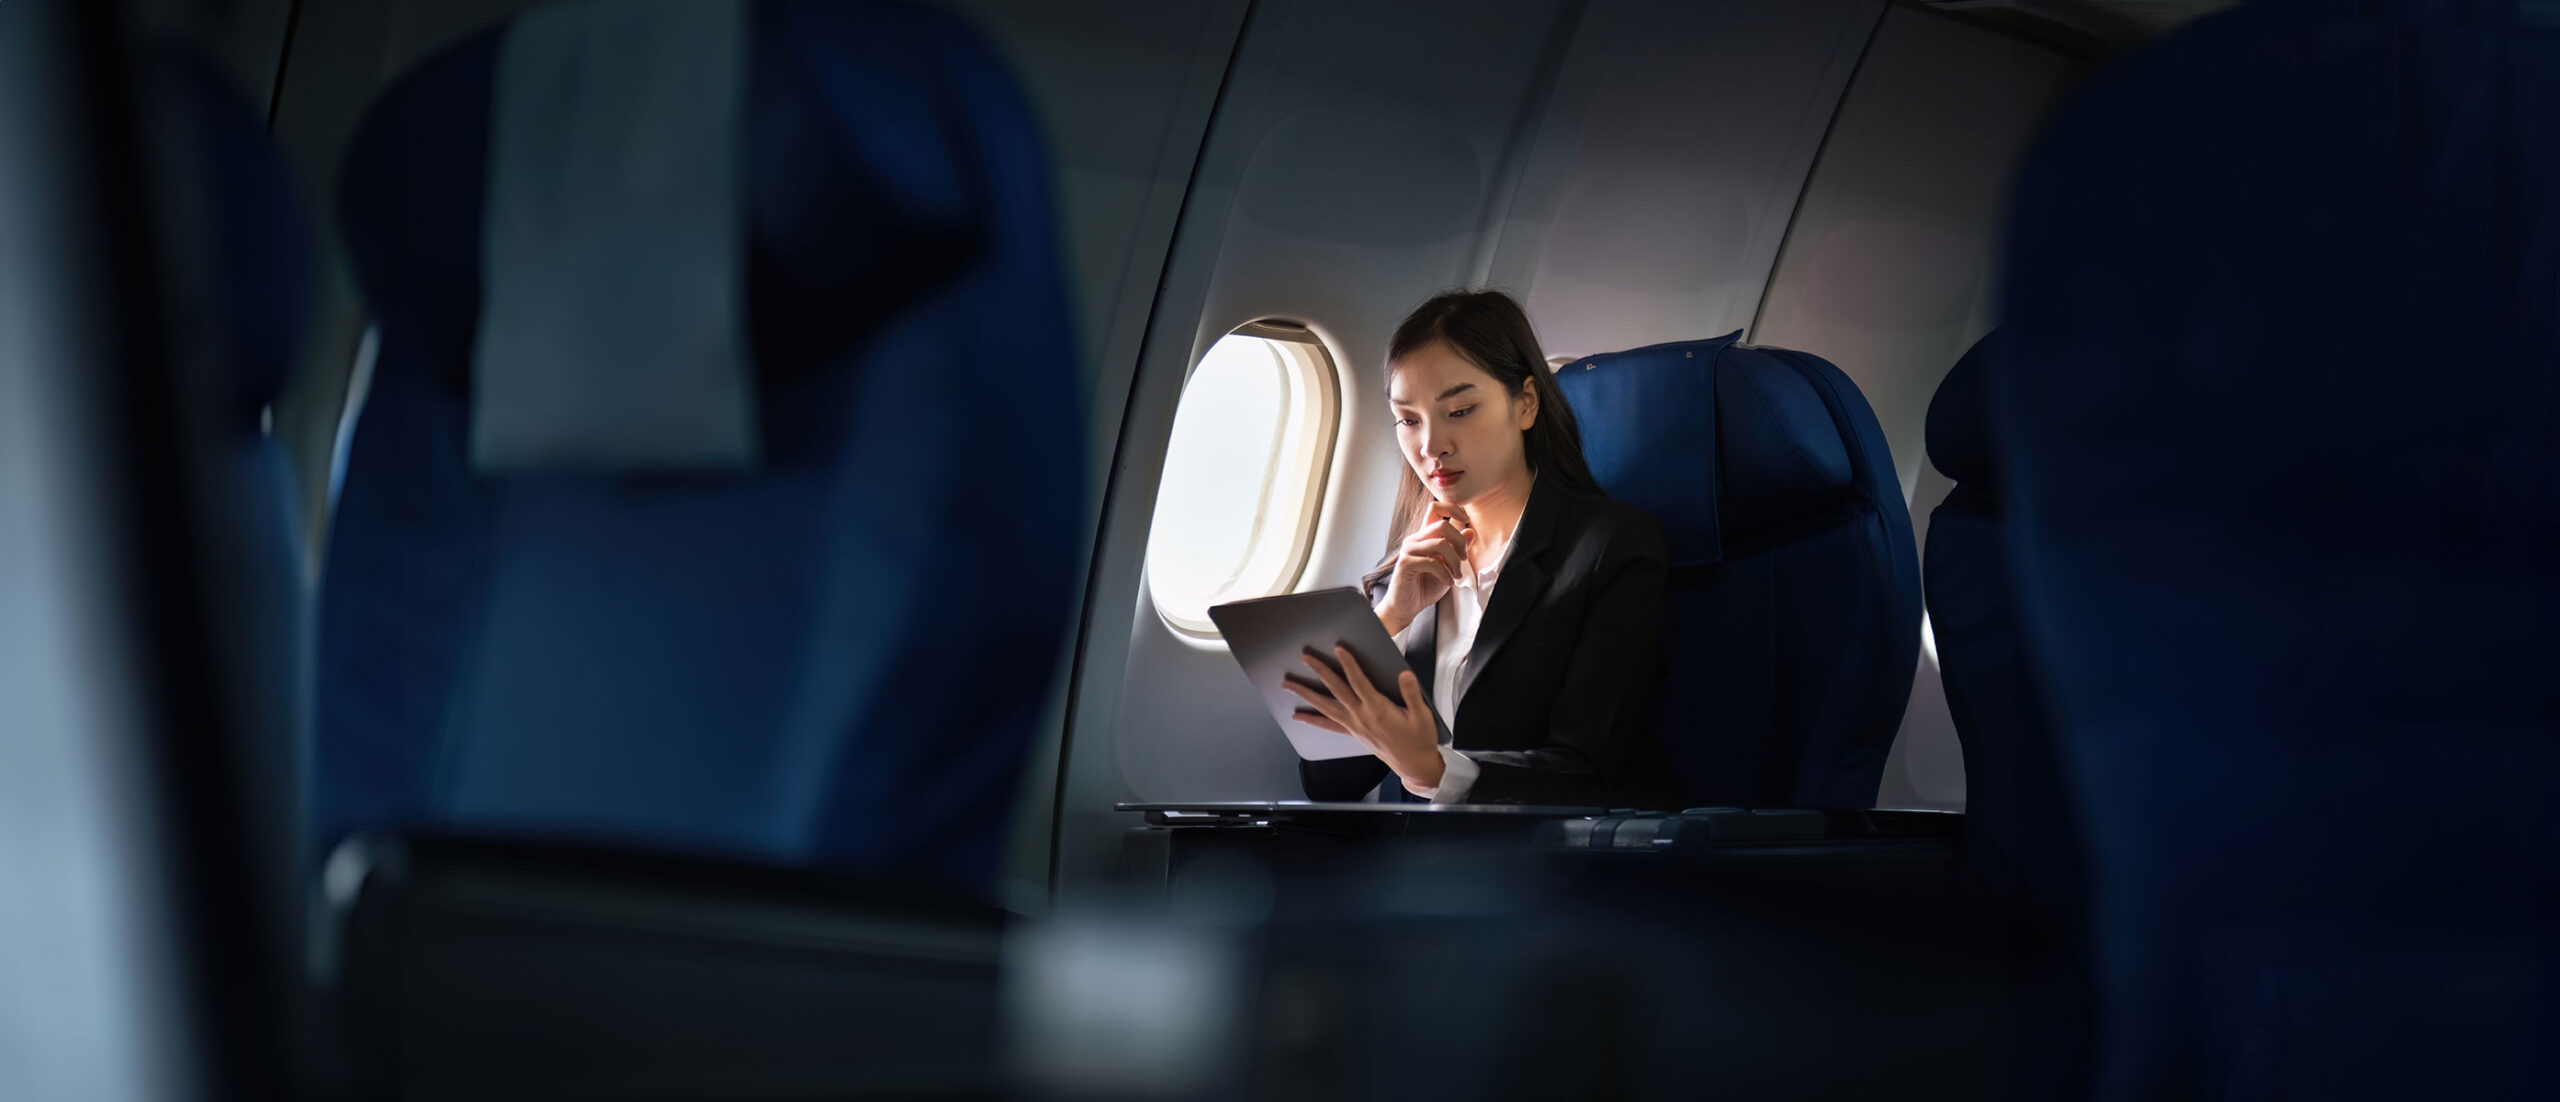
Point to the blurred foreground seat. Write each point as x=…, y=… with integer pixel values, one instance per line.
x=715, y=498
x=2280, y=434
x=717, y=487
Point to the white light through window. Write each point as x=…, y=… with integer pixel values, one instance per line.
x=1244, y=473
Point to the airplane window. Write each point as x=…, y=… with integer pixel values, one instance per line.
x=1244, y=473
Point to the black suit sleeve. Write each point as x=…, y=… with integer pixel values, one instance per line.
x=1598, y=723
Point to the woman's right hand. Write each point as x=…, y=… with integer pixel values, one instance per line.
x=1426, y=566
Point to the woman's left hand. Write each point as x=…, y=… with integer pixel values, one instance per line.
x=1399, y=729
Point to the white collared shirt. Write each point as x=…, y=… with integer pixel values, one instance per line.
x=1461, y=613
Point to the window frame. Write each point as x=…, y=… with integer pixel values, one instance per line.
x=1306, y=354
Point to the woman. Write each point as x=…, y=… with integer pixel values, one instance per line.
x=1526, y=602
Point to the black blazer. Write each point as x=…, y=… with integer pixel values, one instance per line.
x=1558, y=692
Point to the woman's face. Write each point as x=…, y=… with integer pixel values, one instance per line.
x=1458, y=425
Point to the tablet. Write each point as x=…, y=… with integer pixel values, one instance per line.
x=1268, y=635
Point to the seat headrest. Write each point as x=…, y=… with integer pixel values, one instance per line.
x=1959, y=424
x=856, y=193
x=1726, y=445
x=1648, y=420
x=1785, y=460
x=613, y=332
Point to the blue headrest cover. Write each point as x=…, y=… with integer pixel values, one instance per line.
x=1658, y=450
x=1725, y=445
x=613, y=334
x=1959, y=425
x=859, y=204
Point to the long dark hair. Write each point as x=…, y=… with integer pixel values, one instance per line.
x=1490, y=330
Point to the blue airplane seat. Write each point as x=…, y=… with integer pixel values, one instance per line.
x=2020, y=836
x=2279, y=433
x=2022, y=844
x=1793, y=626
x=829, y=648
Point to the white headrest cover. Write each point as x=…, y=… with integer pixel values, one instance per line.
x=612, y=329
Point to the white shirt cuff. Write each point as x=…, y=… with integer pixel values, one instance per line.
x=1458, y=773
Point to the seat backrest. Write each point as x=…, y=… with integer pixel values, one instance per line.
x=2278, y=434
x=830, y=648
x=1793, y=623
x=2022, y=845
x=2020, y=836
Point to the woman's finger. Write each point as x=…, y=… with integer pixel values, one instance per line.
x=1439, y=536
x=1441, y=519
x=1317, y=702
x=1408, y=689
x=1446, y=551
x=1312, y=695
x=1363, y=691
x=1333, y=682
